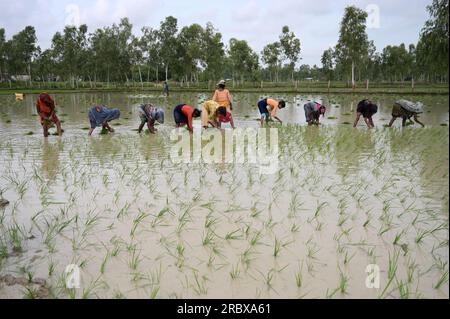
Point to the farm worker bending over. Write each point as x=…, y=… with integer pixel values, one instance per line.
x=45, y=107
x=269, y=108
x=228, y=118
x=406, y=109
x=210, y=114
x=367, y=109
x=223, y=97
x=184, y=114
x=313, y=111
x=100, y=115
x=149, y=114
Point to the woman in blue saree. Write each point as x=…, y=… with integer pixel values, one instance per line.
x=100, y=115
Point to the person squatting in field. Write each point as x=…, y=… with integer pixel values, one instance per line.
x=367, y=109
x=313, y=111
x=150, y=114
x=100, y=115
x=268, y=108
x=45, y=107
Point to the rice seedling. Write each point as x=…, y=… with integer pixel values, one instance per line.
x=154, y=292
x=343, y=283
x=104, y=261
x=295, y=228
x=392, y=270
x=208, y=238
x=403, y=290
x=16, y=237
x=442, y=280
x=96, y=284
x=421, y=236
x=200, y=287
x=234, y=235
x=135, y=259
x=411, y=270
x=31, y=293
x=137, y=221
x=255, y=240
x=268, y=279
x=235, y=272
x=276, y=248
x=299, y=277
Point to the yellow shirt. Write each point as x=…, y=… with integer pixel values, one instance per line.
x=211, y=107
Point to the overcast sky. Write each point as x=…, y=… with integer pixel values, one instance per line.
x=315, y=22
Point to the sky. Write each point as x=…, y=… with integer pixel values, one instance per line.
x=315, y=22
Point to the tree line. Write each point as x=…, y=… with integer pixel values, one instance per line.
x=198, y=53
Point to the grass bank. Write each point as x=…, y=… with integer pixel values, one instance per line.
x=247, y=87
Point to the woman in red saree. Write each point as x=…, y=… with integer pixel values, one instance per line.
x=45, y=107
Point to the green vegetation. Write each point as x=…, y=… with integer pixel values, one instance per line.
x=104, y=57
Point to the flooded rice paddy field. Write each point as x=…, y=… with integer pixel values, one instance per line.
x=140, y=226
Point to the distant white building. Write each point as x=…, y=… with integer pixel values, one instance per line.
x=20, y=77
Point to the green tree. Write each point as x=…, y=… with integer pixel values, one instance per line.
x=271, y=55
x=244, y=61
x=190, y=41
x=291, y=48
x=397, y=62
x=328, y=63
x=352, y=47
x=21, y=50
x=151, y=48
x=68, y=49
x=2, y=53
x=167, y=35
x=111, y=51
x=213, y=48
x=137, y=56
x=45, y=66
x=432, y=49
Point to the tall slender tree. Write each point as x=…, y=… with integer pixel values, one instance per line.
x=291, y=48
x=352, y=47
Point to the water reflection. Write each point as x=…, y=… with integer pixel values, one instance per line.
x=353, y=150
x=50, y=158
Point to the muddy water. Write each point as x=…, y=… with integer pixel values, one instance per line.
x=140, y=226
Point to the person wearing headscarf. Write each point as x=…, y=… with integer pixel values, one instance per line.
x=313, y=111
x=366, y=109
x=406, y=110
x=45, y=107
x=150, y=114
x=100, y=115
x=223, y=97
